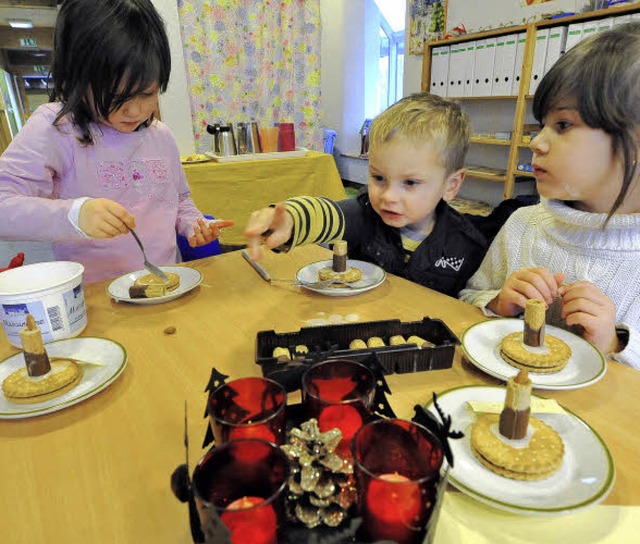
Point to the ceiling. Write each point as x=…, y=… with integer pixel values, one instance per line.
x=27, y=52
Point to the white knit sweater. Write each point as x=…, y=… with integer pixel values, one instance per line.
x=554, y=236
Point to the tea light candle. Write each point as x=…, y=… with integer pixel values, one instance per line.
x=393, y=506
x=249, y=522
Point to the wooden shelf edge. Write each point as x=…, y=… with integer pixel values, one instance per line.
x=489, y=141
x=491, y=97
x=589, y=15
x=498, y=178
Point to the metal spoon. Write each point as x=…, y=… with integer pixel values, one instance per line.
x=149, y=266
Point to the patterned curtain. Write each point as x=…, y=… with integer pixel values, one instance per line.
x=253, y=60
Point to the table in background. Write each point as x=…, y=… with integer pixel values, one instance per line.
x=99, y=471
x=232, y=190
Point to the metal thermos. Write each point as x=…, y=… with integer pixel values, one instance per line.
x=214, y=130
x=225, y=142
x=243, y=138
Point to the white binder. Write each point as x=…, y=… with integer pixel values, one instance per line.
x=621, y=20
x=605, y=24
x=589, y=28
x=439, y=70
x=483, y=73
x=574, y=35
x=539, y=56
x=469, y=65
x=504, y=65
x=520, y=45
x=555, y=46
x=456, y=70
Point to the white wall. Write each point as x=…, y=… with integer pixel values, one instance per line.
x=175, y=108
x=343, y=70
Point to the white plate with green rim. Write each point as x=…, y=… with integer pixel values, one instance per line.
x=481, y=345
x=189, y=279
x=104, y=362
x=584, y=479
x=372, y=277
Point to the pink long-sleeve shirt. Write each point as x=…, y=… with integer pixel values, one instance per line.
x=45, y=168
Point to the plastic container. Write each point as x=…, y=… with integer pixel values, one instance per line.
x=51, y=292
x=332, y=341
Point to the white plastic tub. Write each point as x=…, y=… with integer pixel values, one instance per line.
x=51, y=292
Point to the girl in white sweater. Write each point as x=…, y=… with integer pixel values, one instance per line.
x=582, y=242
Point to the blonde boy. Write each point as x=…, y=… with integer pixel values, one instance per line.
x=402, y=222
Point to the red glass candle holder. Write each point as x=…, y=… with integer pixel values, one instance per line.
x=397, y=468
x=339, y=393
x=287, y=137
x=248, y=408
x=242, y=484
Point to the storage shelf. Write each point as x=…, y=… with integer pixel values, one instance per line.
x=489, y=141
x=522, y=101
x=487, y=175
x=505, y=97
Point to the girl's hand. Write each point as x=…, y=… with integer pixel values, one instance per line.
x=583, y=303
x=269, y=226
x=104, y=218
x=522, y=285
x=205, y=232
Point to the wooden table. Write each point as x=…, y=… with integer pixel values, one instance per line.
x=232, y=190
x=99, y=471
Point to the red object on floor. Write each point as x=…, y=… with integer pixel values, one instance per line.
x=17, y=261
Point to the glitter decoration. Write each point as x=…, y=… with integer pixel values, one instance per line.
x=321, y=486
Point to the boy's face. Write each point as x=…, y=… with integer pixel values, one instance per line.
x=406, y=182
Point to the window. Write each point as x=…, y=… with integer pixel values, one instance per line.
x=391, y=56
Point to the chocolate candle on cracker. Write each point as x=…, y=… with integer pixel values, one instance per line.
x=534, y=317
x=35, y=356
x=514, y=418
x=340, y=256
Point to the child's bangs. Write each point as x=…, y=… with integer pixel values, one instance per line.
x=140, y=73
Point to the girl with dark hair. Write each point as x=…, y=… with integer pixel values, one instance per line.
x=582, y=242
x=94, y=162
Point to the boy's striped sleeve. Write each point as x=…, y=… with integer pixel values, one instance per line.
x=316, y=220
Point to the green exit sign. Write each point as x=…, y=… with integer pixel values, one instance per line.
x=28, y=42
x=40, y=69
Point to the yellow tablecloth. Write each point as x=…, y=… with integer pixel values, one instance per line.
x=468, y=521
x=232, y=190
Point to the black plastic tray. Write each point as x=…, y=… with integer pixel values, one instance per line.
x=332, y=342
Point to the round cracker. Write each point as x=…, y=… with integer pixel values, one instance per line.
x=510, y=473
x=538, y=369
x=152, y=279
x=19, y=387
x=46, y=396
x=514, y=349
x=539, y=459
x=350, y=275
